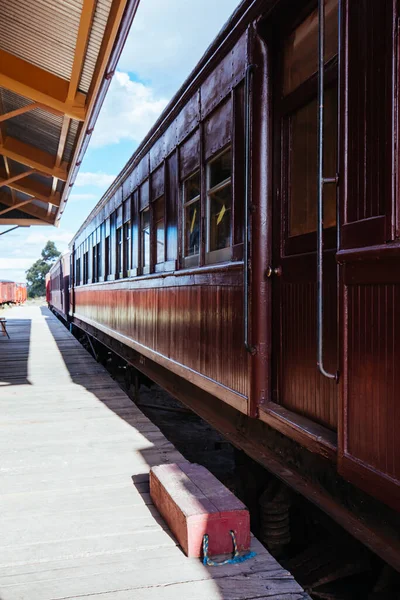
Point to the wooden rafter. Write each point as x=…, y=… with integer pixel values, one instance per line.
x=39, y=85
x=82, y=41
x=32, y=157
x=29, y=208
x=28, y=108
x=33, y=188
x=10, y=180
x=15, y=206
x=85, y=24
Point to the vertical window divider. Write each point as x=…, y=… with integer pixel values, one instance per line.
x=180, y=261
x=140, y=242
x=133, y=217
x=203, y=198
x=153, y=238
x=234, y=166
x=166, y=201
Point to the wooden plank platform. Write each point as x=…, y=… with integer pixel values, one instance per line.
x=77, y=520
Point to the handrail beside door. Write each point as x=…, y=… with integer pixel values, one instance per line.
x=321, y=181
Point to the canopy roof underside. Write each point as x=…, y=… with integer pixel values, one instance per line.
x=56, y=62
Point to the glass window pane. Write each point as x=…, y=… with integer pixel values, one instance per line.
x=219, y=169
x=127, y=246
x=301, y=48
x=160, y=237
x=303, y=166
x=192, y=187
x=145, y=238
x=192, y=229
x=220, y=203
x=119, y=250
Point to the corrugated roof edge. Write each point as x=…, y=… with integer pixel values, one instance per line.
x=85, y=135
x=246, y=10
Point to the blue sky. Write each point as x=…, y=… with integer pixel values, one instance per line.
x=167, y=39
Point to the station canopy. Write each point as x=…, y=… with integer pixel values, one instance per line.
x=57, y=58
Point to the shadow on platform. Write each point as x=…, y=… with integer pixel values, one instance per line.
x=260, y=577
x=14, y=353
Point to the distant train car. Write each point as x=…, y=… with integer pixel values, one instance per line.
x=21, y=293
x=57, y=286
x=8, y=292
x=247, y=256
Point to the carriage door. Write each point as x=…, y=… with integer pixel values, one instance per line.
x=297, y=383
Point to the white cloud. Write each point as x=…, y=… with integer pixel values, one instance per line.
x=99, y=179
x=167, y=39
x=81, y=197
x=10, y=264
x=129, y=112
x=60, y=238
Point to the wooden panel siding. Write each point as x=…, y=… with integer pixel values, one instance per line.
x=197, y=325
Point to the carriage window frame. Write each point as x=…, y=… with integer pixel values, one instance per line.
x=78, y=271
x=127, y=248
x=98, y=259
x=191, y=260
x=220, y=254
x=291, y=103
x=119, y=256
x=85, y=267
x=156, y=259
x=145, y=266
x=94, y=264
x=107, y=257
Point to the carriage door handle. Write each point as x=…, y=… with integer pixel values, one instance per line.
x=273, y=271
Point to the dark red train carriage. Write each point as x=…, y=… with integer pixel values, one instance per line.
x=247, y=256
x=57, y=285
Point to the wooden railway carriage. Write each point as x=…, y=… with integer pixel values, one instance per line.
x=12, y=293
x=57, y=285
x=247, y=256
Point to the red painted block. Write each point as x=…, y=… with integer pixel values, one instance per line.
x=193, y=502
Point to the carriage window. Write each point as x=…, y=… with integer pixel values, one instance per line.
x=300, y=60
x=145, y=238
x=191, y=212
x=78, y=272
x=219, y=202
x=94, y=264
x=98, y=260
x=86, y=267
x=160, y=229
x=107, y=257
x=127, y=247
x=303, y=166
x=119, y=252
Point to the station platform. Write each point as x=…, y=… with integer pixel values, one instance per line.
x=77, y=520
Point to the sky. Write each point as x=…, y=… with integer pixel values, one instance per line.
x=167, y=39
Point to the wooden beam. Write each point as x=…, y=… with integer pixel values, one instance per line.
x=19, y=111
x=35, y=189
x=39, y=85
x=17, y=205
x=85, y=24
x=24, y=222
x=109, y=37
x=32, y=157
x=30, y=209
x=28, y=108
x=16, y=177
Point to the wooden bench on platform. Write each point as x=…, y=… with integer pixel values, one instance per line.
x=3, y=325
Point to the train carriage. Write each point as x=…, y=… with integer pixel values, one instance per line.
x=57, y=285
x=247, y=256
